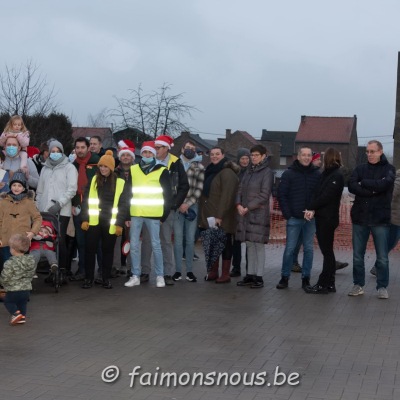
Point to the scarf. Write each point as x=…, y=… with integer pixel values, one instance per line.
x=211, y=171
x=82, y=177
x=147, y=168
x=51, y=163
x=18, y=197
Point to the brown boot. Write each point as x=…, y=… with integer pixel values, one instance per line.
x=212, y=275
x=225, y=278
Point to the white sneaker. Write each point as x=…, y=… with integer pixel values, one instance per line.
x=133, y=281
x=356, y=290
x=160, y=282
x=383, y=293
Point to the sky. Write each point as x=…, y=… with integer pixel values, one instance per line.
x=245, y=65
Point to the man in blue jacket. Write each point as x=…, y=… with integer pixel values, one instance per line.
x=294, y=195
x=372, y=183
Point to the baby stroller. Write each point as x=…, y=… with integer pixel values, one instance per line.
x=56, y=276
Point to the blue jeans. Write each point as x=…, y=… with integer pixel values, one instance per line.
x=153, y=227
x=183, y=226
x=294, y=228
x=380, y=235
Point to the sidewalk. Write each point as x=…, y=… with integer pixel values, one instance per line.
x=343, y=348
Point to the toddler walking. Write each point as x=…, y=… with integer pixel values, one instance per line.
x=16, y=278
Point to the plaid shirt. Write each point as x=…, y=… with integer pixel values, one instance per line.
x=195, y=175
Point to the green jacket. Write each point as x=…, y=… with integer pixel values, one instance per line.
x=18, y=273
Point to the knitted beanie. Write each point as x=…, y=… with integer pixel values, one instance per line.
x=19, y=177
x=242, y=152
x=107, y=160
x=56, y=143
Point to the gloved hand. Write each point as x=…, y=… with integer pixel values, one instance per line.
x=118, y=230
x=85, y=225
x=55, y=208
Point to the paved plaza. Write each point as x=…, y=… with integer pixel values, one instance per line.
x=342, y=347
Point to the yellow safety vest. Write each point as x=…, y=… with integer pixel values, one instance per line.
x=93, y=203
x=147, y=193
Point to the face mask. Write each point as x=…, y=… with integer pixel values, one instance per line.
x=55, y=156
x=147, y=160
x=71, y=157
x=199, y=158
x=11, y=151
x=189, y=153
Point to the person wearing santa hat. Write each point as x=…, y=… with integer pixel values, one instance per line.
x=125, y=143
x=180, y=188
x=150, y=206
x=126, y=157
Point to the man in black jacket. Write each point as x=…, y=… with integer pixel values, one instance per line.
x=294, y=195
x=372, y=183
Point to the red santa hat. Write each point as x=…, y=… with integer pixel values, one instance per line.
x=126, y=143
x=127, y=150
x=148, y=146
x=165, y=140
x=315, y=156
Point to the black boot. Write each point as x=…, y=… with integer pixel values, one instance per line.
x=283, y=283
x=107, y=284
x=87, y=284
x=248, y=280
x=235, y=272
x=316, y=289
x=305, y=282
x=258, y=283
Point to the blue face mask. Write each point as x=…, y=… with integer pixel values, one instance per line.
x=11, y=151
x=71, y=157
x=147, y=160
x=55, y=156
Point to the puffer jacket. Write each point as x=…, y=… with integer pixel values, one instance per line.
x=58, y=184
x=18, y=216
x=373, y=186
x=296, y=189
x=221, y=200
x=254, y=193
x=17, y=273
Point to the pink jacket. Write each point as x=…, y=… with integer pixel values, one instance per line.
x=22, y=137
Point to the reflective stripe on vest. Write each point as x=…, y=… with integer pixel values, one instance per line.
x=147, y=193
x=93, y=203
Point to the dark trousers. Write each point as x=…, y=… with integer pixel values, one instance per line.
x=325, y=230
x=16, y=301
x=228, y=250
x=62, y=244
x=95, y=234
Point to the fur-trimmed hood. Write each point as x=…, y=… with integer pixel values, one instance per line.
x=30, y=195
x=233, y=166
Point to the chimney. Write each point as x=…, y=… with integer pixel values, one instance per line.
x=228, y=133
x=303, y=118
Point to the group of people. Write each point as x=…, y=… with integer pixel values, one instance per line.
x=101, y=197
x=310, y=200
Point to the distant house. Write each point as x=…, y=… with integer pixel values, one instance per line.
x=238, y=139
x=105, y=134
x=287, y=148
x=320, y=133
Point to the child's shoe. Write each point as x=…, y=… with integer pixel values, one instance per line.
x=17, y=316
x=22, y=320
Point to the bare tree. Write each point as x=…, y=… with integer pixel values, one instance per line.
x=158, y=112
x=99, y=120
x=25, y=91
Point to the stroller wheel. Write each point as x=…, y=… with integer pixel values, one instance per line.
x=56, y=281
